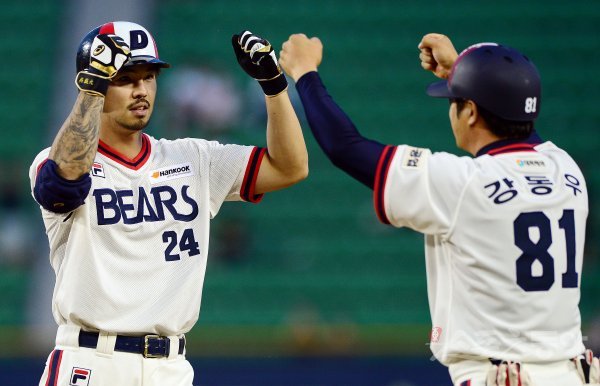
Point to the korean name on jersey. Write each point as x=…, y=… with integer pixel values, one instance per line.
x=504, y=236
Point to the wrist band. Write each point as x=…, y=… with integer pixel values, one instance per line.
x=273, y=86
x=91, y=83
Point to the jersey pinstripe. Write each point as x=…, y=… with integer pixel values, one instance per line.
x=504, y=235
x=132, y=259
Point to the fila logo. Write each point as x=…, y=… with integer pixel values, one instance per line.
x=80, y=377
x=98, y=170
x=171, y=173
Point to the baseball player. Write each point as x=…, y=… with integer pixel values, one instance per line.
x=504, y=229
x=128, y=215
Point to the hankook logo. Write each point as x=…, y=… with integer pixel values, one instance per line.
x=171, y=172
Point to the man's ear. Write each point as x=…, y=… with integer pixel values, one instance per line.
x=471, y=109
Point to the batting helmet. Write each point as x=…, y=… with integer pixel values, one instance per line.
x=141, y=43
x=498, y=78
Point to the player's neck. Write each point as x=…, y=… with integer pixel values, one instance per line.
x=126, y=142
x=482, y=137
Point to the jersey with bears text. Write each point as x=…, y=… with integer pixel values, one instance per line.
x=132, y=259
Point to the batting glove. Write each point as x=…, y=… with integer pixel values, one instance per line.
x=256, y=56
x=588, y=368
x=107, y=55
x=507, y=373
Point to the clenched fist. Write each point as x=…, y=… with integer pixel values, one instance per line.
x=437, y=54
x=256, y=56
x=108, y=54
x=300, y=55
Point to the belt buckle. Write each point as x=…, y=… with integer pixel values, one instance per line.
x=147, y=345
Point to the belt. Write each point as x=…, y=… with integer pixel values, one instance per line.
x=150, y=346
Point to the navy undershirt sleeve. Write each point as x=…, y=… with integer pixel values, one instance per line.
x=335, y=132
x=57, y=194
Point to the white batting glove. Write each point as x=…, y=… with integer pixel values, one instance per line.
x=508, y=373
x=588, y=368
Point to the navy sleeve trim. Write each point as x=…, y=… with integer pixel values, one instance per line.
x=383, y=167
x=249, y=183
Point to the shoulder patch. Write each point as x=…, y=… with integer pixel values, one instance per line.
x=411, y=159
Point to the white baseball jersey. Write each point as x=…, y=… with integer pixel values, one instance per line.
x=504, y=237
x=132, y=259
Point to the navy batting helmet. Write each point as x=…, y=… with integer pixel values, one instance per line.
x=141, y=43
x=498, y=78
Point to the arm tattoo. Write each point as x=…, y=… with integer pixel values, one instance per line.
x=76, y=143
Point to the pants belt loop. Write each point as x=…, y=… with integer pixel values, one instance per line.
x=106, y=344
x=173, y=346
x=67, y=335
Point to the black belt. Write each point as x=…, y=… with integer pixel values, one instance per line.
x=150, y=346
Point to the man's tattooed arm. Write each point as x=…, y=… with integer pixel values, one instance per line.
x=76, y=143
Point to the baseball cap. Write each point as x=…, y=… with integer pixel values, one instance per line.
x=140, y=42
x=498, y=78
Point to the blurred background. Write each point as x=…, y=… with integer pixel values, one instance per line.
x=306, y=288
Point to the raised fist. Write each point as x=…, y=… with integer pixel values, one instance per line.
x=256, y=56
x=107, y=55
x=437, y=54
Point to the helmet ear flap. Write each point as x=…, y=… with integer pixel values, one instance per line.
x=82, y=61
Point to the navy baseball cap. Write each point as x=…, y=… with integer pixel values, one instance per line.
x=498, y=78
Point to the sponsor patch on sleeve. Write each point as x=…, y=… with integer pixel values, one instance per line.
x=412, y=157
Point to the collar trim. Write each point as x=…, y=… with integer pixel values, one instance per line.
x=135, y=163
x=511, y=145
